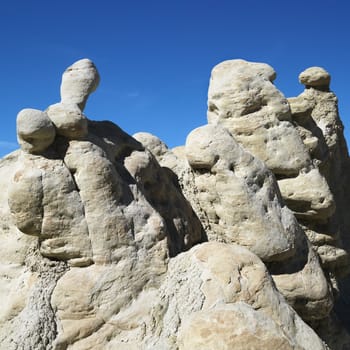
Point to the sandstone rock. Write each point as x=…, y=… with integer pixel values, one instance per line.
x=175, y=162
x=300, y=108
x=153, y=143
x=233, y=289
x=236, y=327
x=236, y=85
x=127, y=219
x=243, y=99
x=161, y=189
x=239, y=195
x=308, y=195
x=25, y=200
x=35, y=132
x=330, y=239
x=26, y=318
x=55, y=213
x=249, y=186
x=78, y=82
x=68, y=120
x=74, y=195
x=321, y=122
x=303, y=283
x=315, y=77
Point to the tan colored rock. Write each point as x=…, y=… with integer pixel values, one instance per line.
x=308, y=195
x=142, y=226
x=175, y=163
x=239, y=195
x=302, y=282
x=15, y=279
x=115, y=298
x=68, y=120
x=217, y=159
x=35, y=132
x=243, y=99
x=315, y=77
x=153, y=143
x=25, y=200
x=102, y=235
x=78, y=82
x=235, y=327
x=236, y=300
x=232, y=285
x=55, y=213
x=26, y=279
x=160, y=187
x=300, y=108
x=321, y=129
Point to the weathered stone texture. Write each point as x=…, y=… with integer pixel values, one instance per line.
x=104, y=236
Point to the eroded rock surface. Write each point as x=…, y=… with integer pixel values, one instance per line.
x=316, y=115
x=104, y=236
x=243, y=99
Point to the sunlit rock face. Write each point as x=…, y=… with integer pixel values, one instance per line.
x=315, y=113
x=89, y=212
x=238, y=201
x=306, y=133
x=110, y=241
x=35, y=131
x=243, y=99
x=78, y=82
x=311, y=161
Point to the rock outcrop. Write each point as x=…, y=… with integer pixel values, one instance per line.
x=238, y=239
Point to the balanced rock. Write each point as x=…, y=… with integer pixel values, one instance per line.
x=315, y=77
x=35, y=131
x=78, y=82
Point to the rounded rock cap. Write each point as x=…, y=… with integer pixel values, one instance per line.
x=78, y=82
x=35, y=131
x=315, y=77
x=69, y=121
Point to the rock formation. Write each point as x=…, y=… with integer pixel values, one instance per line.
x=238, y=239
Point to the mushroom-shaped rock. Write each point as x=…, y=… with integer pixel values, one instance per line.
x=78, y=82
x=315, y=77
x=69, y=120
x=35, y=131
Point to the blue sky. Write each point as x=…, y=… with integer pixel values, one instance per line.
x=155, y=57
